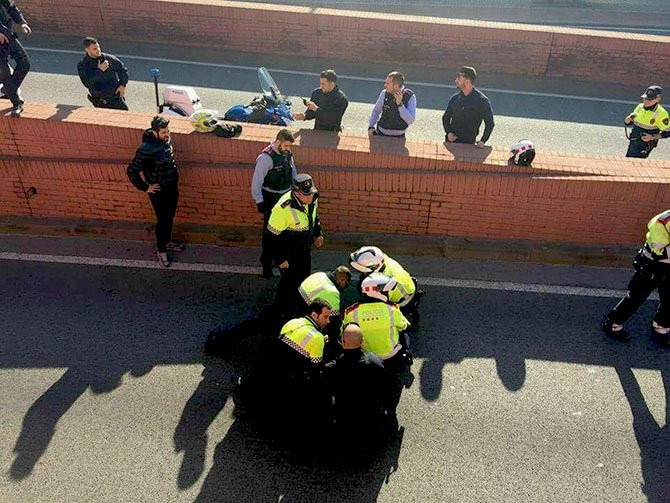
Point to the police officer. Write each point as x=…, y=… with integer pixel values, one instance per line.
x=294, y=226
x=652, y=271
x=395, y=109
x=383, y=326
x=326, y=287
x=359, y=385
x=155, y=161
x=10, y=47
x=369, y=259
x=273, y=174
x=104, y=75
x=650, y=123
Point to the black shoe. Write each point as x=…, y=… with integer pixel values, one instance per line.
x=176, y=246
x=267, y=272
x=17, y=110
x=619, y=335
x=4, y=97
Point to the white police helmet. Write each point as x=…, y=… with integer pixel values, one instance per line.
x=523, y=152
x=378, y=286
x=367, y=259
x=204, y=121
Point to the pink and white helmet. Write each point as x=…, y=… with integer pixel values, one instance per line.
x=523, y=152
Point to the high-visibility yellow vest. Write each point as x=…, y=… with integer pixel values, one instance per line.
x=319, y=287
x=658, y=237
x=304, y=336
x=381, y=324
x=285, y=217
x=654, y=120
x=405, y=288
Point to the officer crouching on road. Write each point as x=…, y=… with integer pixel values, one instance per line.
x=104, y=75
x=383, y=326
x=294, y=226
x=369, y=259
x=652, y=271
x=650, y=123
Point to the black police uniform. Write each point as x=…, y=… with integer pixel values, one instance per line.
x=295, y=247
x=11, y=82
x=103, y=86
x=155, y=160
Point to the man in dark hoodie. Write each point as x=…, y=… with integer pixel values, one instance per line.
x=10, y=47
x=155, y=161
x=104, y=75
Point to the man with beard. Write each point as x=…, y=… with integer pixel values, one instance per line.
x=466, y=111
x=155, y=161
x=273, y=175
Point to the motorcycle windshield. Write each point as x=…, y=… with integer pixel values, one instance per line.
x=269, y=86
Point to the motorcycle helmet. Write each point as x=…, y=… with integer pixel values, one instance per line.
x=204, y=121
x=523, y=152
x=378, y=286
x=367, y=259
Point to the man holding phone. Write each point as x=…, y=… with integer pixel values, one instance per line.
x=104, y=75
x=327, y=104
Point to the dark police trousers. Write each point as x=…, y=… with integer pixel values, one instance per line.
x=116, y=102
x=649, y=276
x=164, y=203
x=288, y=301
x=640, y=149
x=12, y=81
x=269, y=201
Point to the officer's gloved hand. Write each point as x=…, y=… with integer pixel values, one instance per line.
x=261, y=207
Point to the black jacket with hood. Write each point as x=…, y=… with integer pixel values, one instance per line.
x=155, y=160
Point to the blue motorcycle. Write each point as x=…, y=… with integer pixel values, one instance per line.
x=270, y=108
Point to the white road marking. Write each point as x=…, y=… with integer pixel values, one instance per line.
x=350, y=77
x=574, y=291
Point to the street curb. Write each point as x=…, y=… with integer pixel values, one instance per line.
x=617, y=256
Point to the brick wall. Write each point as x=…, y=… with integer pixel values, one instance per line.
x=76, y=159
x=360, y=36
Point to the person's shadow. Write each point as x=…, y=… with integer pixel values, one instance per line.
x=41, y=419
x=465, y=152
x=653, y=439
x=251, y=468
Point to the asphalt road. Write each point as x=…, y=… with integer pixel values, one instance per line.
x=562, y=116
x=518, y=396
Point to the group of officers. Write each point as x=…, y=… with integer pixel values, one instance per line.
x=336, y=352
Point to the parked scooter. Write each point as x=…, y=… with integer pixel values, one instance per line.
x=270, y=108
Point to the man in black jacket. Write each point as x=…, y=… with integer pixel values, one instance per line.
x=155, y=161
x=104, y=75
x=10, y=47
x=327, y=104
x=466, y=111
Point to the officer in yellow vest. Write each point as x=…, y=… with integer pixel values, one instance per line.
x=294, y=226
x=650, y=121
x=381, y=321
x=383, y=326
x=652, y=271
x=368, y=259
x=327, y=287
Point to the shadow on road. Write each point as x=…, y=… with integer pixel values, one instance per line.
x=100, y=324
